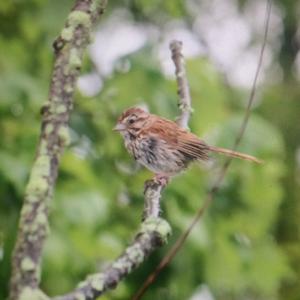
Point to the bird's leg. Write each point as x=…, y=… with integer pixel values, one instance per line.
x=161, y=179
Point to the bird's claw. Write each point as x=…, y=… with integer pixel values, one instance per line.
x=161, y=179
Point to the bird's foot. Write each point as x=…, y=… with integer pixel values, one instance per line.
x=161, y=179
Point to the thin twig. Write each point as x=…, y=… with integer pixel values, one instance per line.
x=184, y=101
x=33, y=224
x=210, y=196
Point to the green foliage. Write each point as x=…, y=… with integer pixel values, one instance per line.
x=240, y=247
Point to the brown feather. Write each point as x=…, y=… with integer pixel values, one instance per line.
x=177, y=138
x=235, y=154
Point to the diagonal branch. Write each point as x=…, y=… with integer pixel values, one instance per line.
x=153, y=233
x=33, y=224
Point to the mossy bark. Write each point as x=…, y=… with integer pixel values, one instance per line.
x=153, y=233
x=33, y=224
x=183, y=90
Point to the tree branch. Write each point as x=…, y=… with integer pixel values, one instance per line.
x=153, y=233
x=54, y=136
x=184, y=102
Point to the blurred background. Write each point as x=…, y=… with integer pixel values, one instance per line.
x=247, y=246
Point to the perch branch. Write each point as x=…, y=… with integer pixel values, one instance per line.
x=210, y=195
x=33, y=224
x=184, y=102
x=154, y=231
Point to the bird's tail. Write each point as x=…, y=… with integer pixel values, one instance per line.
x=232, y=153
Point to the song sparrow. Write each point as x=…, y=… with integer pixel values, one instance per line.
x=162, y=146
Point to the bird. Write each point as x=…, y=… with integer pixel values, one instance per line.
x=162, y=146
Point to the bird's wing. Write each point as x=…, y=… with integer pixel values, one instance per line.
x=178, y=138
x=191, y=146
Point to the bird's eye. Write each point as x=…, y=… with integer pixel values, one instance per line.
x=131, y=121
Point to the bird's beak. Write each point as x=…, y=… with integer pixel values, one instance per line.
x=119, y=127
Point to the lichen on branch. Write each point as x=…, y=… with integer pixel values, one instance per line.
x=54, y=136
x=183, y=89
x=153, y=233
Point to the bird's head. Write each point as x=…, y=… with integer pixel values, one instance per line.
x=132, y=121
